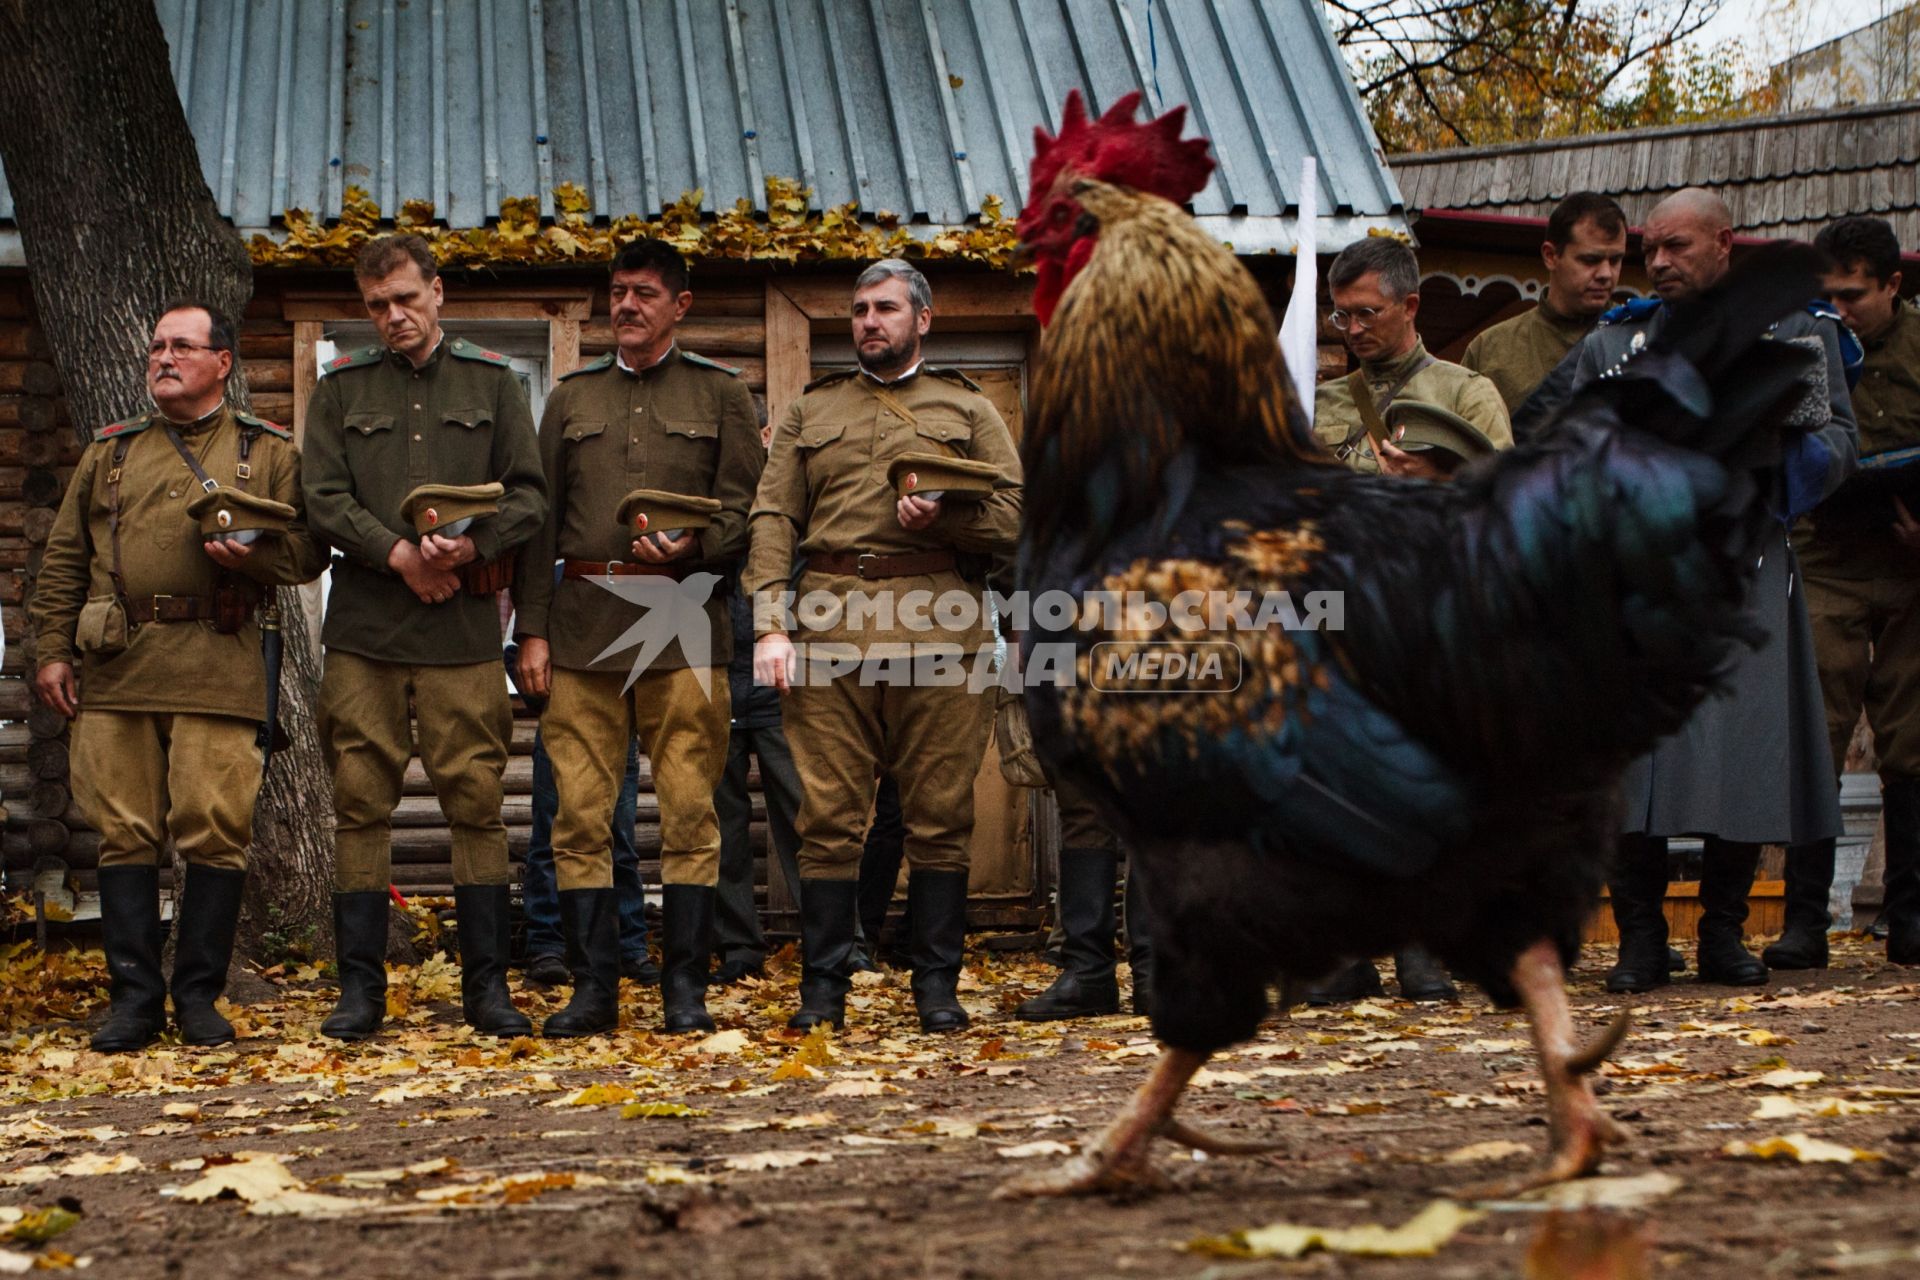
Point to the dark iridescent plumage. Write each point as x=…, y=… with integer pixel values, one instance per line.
x=1443, y=768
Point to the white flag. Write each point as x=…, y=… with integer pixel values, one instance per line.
x=1299, y=331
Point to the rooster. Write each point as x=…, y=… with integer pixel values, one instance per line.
x=1443, y=767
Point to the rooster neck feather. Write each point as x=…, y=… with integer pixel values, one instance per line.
x=1163, y=345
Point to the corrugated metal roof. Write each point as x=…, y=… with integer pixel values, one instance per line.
x=1784, y=176
x=920, y=107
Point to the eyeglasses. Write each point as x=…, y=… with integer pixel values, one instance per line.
x=180, y=349
x=1359, y=317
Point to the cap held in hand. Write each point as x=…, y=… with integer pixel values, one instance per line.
x=238, y=516
x=936, y=475
x=646, y=511
x=447, y=509
x=1430, y=429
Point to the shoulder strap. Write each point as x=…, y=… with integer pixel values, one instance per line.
x=120, y=447
x=592, y=366
x=1370, y=419
x=207, y=483
x=691, y=358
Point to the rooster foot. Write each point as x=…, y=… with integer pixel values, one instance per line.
x=1117, y=1160
x=1581, y=1130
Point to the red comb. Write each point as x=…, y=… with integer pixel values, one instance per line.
x=1116, y=148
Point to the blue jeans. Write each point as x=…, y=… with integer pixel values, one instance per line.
x=541, y=892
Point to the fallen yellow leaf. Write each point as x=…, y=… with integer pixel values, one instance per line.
x=1800, y=1147
x=1419, y=1237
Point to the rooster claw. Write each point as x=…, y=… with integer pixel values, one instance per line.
x=1089, y=1173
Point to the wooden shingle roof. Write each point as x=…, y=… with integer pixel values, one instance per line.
x=1784, y=176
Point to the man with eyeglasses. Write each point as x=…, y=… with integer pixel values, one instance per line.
x=171, y=695
x=1375, y=284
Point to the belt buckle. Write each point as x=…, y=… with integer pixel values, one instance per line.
x=613, y=570
x=860, y=564
x=155, y=604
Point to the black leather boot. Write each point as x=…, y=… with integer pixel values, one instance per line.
x=1726, y=878
x=130, y=935
x=1638, y=892
x=937, y=901
x=1803, y=938
x=686, y=941
x=202, y=950
x=1086, y=987
x=1900, y=799
x=360, y=954
x=1356, y=981
x=1421, y=977
x=590, y=919
x=480, y=912
x=828, y=910
x=1139, y=942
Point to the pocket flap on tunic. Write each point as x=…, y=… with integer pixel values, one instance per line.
x=943, y=430
x=368, y=423
x=583, y=428
x=469, y=418
x=688, y=427
x=816, y=434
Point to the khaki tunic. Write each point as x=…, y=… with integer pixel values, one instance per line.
x=377, y=428
x=686, y=425
x=1516, y=355
x=164, y=748
x=824, y=491
x=683, y=425
x=181, y=667
x=1863, y=586
x=1337, y=421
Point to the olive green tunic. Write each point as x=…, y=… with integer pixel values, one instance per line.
x=1516, y=355
x=377, y=428
x=1337, y=421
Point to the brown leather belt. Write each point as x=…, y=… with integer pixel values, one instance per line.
x=865, y=564
x=169, y=608
x=577, y=569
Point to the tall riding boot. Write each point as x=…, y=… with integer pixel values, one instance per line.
x=1139, y=941
x=828, y=910
x=937, y=902
x=686, y=942
x=202, y=950
x=360, y=954
x=590, y=919
x=1421, y=977
x=1086, y=987
x=1900, y=798
x=1803, y=939
x=1726, y=878
x=1638, y=892
x=130, y=934
x=480, y=911
x=1356, y=981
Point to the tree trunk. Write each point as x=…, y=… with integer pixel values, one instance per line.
x=116, y=219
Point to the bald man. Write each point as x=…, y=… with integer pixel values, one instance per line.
x=1751, y=768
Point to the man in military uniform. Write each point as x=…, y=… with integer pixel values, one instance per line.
x=1375, y=283
x=1860, y=555
x=654, y=416
x=826, y=489
x=1751, y=768
x=169, y=704
x=1585, y=245
x=417, y=619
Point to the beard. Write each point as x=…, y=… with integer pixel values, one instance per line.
x=895, y=356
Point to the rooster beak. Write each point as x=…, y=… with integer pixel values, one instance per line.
x=1023, y=255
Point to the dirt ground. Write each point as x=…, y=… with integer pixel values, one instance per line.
x=759, y=1153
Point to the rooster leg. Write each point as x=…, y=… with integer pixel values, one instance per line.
x=1580, y=1131
x=1117, y=1160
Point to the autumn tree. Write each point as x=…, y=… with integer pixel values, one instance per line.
x=115, y=218
x=1441, y=73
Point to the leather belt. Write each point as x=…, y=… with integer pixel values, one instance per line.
x=865, y=564
x=577, y=569
x=169, y=608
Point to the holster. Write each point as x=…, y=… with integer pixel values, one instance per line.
x=102, y=628
x=234, y=600
x=490, y=578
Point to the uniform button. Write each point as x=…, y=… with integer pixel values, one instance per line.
x=416, y=435
x=638, y=409
x=173, y=493
x=416, y=406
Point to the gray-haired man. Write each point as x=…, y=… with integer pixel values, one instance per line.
x=826, y=493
